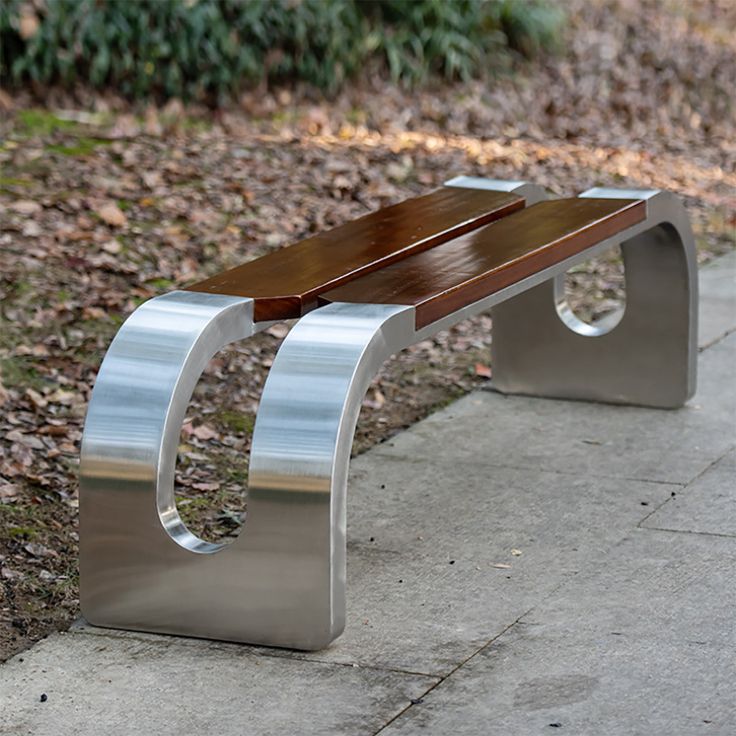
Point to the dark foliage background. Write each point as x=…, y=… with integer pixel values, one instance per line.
x=212, y=48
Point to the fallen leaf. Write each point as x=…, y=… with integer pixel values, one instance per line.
x=54, y=431
x=204, y=432
x=278, y=331
x=206, y=486
x=26, y=207
x=61, y=397
x=152, y=179
x=6, y=105
x=112, y=246
x=38, y=401
x=39, y=550
x=484, y=371
x=376, y=402
x=516, y=552
x=112, y=215
x=32, y=229
x=29, y=23
x=9, y=493
x=341, y=182
x=152, y=125
x=28, y=440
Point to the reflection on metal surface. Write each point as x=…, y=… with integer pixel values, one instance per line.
x=282, y=581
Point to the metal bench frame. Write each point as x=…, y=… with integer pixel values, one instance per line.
x=282, y=581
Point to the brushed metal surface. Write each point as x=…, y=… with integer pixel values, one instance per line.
x=282, y=581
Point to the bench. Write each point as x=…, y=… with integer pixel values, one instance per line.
x=362, y=292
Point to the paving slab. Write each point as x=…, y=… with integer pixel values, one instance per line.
x=443, y=557
x=159, y=685
x=586, y=439
x=641, y=643
x=717, y=299
x=706, y=506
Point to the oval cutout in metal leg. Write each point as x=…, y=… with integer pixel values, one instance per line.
x=567, y=291
x=211, y=468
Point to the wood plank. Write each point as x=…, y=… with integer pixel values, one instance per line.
x=466, y=269
x=286, y=283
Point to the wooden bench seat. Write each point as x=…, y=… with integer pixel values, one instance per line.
x=285, y=284
x=460, y=271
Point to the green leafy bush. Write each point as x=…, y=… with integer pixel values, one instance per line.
x=212, y=48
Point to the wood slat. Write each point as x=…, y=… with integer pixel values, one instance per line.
x=466, y=269
x=286, y=283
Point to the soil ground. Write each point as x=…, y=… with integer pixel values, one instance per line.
x=104, y=206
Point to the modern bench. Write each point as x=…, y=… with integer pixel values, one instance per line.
x=361, y=292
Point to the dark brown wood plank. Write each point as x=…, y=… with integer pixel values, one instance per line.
x=286, y=283
x=465, y=269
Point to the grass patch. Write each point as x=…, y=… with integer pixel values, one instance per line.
x=160, y=284
x=21, y=532
x=19, y=372
x=236, y=422
x=38, y=122
x=83, y=146
x=193, y=125
x=6, y=182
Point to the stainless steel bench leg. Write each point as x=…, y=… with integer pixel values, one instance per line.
x=281, y=582
x=649, y=358
x=300, y=456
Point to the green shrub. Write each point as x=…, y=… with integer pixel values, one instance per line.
x=212, y=48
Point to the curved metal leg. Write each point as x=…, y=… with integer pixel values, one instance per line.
x=305, y=425
x=648, y=358
x=300, y=456
x=281, y=582
x=139, y=565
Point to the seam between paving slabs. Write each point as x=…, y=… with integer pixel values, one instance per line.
x=452, y=672
x=685, y=531
x=716, y=340
x=551, y=593
x=568, y=473
x=684, y=487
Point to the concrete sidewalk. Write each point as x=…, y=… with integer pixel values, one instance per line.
x=516, y=566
